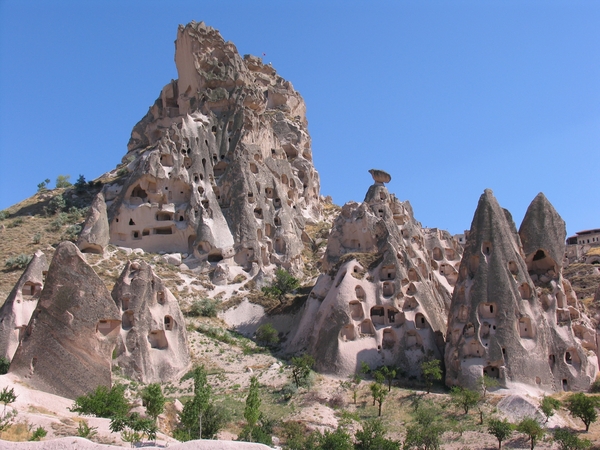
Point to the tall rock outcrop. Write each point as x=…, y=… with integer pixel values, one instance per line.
x=67, y=346
x=501, y=322
x=221, y=166
x=152, y=344
x=385, y=295
x=20, y=304
x=95, y=234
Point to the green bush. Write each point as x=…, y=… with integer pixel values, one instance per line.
x=284, y=283
x=204, y=307
x=43, y=186
x=103, y=402
x=58, y=222
x=37, y=238
x=595, y=387
x=4, y=365
x=85, y=431
x=17, y=262
x=4, y=215
x=56, y=204
x=267, y=335
x=62, y=181
x=72, y=232
x=288, y=391
x=567, y=440
x=38, y=434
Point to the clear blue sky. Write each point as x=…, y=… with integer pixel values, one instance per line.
x=450, y=97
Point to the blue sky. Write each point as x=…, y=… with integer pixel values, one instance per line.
x=449, y=97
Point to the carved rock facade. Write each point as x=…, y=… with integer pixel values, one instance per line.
x=221, y=166
x=513, y=316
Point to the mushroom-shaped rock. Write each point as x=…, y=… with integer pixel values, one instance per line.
x=153, y=342
x=95, y=234
x=20, y=304
x=67, y=347
x=379, y=176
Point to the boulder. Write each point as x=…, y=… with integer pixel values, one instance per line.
x=20, y=304
x=379, y=176
x=95, y=234
x=67, y=346
x=152, y=345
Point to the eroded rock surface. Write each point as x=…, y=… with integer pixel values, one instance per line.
x=95, y=234
x=510, y=316
x=386, y=290
x=67, y=346
x=20, y=304
x=221, y=166
x=152, y=344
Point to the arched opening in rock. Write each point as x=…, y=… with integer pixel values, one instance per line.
x=356, y=310
x=366, y=328
x=160, y=297
x=388, y=272
x=486, y=248
x=127, y=320
x=512, y=267
x=410, y=303
x=348, y=332
x=169, y=322
x=389, y=339
x=220, y=168
x=163, y=230
x=412, y=289
x=525, y=291
x=525, y=328
x=166, y=159
x=158, y=339
x=277, y=203
x=258, y=213
x=269, y=192
x=437, y=253
x=388, y=288
x=487, y=310
x=279, y=245
x=269, y=230
x=540, y=263
x=450, y=254
x=360, y=293
x=413, y=275
x=163, y=216
x=215, y=255
x=277, y=221
x=135, y=235
x=413, y=340
x=139, y=193
x=572, y=358
x=491, y=371
x=106, y=327
x=378, y=315
x=31, y=289
x=420, y=321
x=565, y=385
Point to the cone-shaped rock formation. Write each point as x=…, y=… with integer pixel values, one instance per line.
x=20, y=304
x=499, y=324
x=221, y=166
x=386, y=293
x=68, y=343
x=153, y=344
x=95, y=234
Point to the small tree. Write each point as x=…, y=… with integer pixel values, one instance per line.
x=4, y=365
x=372, y=437
x=532, y=429
x=486, y=383
x=7, y=396
x=43, y=186
x=253, y=402
x=464, y=397
x=379, y=393
x=426, y=433
x=103, y=402
x=62, y=181
x=134, y=428
x=301, y=367
x=389, y=372
x=548, y=406
x=267, y=335
x=194, y=410
x=584, y=408
x=355, y=381
x=154, y=400
x=431, y=372
x=567, y=440
x=81, y=185
x=284, y=283
x=500, y=429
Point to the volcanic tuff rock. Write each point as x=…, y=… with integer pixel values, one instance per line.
x=68, y=343
x=152, y=345
x=95, y=234
x=386, y=293
x=221, y=166
x=20, y=304
x=509, y=317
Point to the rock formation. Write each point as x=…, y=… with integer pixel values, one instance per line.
x=508, y=318
x=152, y=345
x=386, y=290
x=95, y=234
x=67, y=347
x=20, y=304
x=221, y=166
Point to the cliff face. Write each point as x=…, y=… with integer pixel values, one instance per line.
x=509, y=317
x=386, y=292
x=221, y=166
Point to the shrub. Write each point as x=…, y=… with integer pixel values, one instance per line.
x=204, y=307
x=38, y=434
x=567, y=440
x=464, y=397
x=532, y=429
x=4, y=365
x=595, y=387
x=56, y=204
x=500, y=429
x=17, y=262
x=81, y=185
x=37, y=238
x=58, y=222
x=4, y=215
x=72, y=232
x=154, y=400
x=62, y=181
x=43, y=186
x=103, y=402
x=301, y=367
x=267, y=335
x=288, y=391
x=284, y=283
x=584, y=408
x=85, y=431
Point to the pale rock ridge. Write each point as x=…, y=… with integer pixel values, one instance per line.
x=20, y=304
x=384, y=297
x=68, y=343
x=221, y=166
x=499, y=323
x=152, y=345
x=95, y=234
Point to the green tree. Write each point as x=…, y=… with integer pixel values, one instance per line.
x=81, y=185
x=7, y=396
x=38, y=434
x=43, y=186
x=486, y=383
x=284, y=283
x=154, y=400
x=464, y=398
x=426, y=432
x=4, y=365
x=194, y=410
x=253, y=402
x=267, y=335
x=85, y=431
x=338, y=439
x=56, y=204
x=372, y=437
x=379, y=393
x=567, y=440
x=584, y=408
x=532, y=429
x=134, y=428
x=500, y=429
x=103, y=402
x=548, y=406
x=389, y=372
x=301, y=367
x=62, y=181
x=431, y=372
